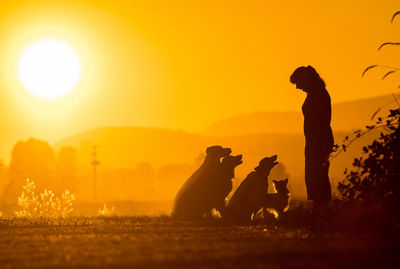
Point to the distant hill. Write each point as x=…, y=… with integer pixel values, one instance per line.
x=346, y=116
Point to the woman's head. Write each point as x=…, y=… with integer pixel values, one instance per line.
x=307, y=79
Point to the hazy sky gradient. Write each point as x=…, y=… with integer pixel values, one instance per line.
x=186, y=64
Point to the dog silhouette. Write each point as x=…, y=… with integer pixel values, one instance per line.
x=221, y=184
x=192, y=200
x=278, y=201
x=250, y=196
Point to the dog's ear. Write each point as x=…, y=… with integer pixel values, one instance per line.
x=275, y=181
x=286, y=180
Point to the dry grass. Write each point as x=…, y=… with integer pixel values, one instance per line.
x=159, y=242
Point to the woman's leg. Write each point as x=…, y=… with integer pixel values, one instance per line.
x=317, y=178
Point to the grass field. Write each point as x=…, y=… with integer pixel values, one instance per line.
x=159, y=242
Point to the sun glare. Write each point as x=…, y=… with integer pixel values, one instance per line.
x=49, y=68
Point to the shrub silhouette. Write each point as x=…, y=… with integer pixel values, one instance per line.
x=375, y=177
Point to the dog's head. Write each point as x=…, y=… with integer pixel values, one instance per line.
x=218, y=151
x=267, y=164
x=231, y=161
x=281, y=186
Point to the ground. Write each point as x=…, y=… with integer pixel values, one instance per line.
x=159, y=242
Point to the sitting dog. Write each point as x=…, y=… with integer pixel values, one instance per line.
x=250, y=196
x=222, y=182
x=191, y=201
x=278, y=201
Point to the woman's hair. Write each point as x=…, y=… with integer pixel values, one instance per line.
x=308, y=75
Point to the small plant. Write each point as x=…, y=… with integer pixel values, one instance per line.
x=106, y=212
x=46, y=204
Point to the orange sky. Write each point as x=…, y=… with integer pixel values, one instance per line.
x=186, y=64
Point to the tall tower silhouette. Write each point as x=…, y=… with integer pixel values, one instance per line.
x=95, y=163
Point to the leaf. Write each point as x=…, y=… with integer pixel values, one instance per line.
x=376, y=112
x=370, y=127
x=368, y=68
x=394, y=16
x=388, y=73
x=388, y=43
x=394, y=112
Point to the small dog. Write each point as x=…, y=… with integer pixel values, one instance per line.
x=279, y=201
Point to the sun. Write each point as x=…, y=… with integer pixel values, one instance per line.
x=49, y=68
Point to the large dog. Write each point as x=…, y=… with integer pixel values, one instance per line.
x=251, y=194
x=192, y=200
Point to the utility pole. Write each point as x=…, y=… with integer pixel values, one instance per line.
x=95, y=163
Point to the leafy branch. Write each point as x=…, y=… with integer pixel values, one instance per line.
x=379, y=124
x=358, y=134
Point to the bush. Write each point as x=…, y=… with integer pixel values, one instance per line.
x=46, y=204
x=375, y=176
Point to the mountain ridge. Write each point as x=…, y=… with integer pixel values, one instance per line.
x=346, y=116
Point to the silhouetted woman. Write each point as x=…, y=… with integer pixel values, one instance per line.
x=317, y=132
